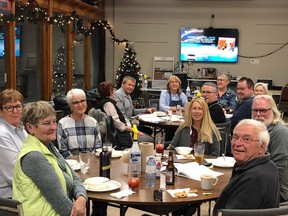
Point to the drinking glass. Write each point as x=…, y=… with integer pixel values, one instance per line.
x=84, y=159
x=199, y=149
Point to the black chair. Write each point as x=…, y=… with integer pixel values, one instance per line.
x=224, y=130
x=60, y=103
x=10, y=207
x=283, y=101
x=282, y=210
x=154, y=103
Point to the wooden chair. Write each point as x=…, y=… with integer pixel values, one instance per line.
x=283, y=101
x=10, y=207
x=224, y=130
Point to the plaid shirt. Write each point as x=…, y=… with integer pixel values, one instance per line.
x=74, y=136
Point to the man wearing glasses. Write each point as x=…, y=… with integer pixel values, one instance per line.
x=264, y=109
x=12, y=136
x=209, y=91
x=254, y=183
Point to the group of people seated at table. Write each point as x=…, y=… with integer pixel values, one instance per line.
x=45, y=184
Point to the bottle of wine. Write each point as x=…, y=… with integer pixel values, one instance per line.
x=170, y=170
x=104, y=170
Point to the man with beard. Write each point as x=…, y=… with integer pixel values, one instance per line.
x=264, y=109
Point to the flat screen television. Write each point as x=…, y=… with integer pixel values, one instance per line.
x=209, y=45
x=17, y=41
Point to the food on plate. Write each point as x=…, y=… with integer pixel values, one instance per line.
x=193, y=191
x=182, y=194
x=190, y=156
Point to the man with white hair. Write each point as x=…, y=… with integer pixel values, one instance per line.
x=254, y=183
x=264, y=109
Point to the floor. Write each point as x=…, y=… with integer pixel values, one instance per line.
x=133, y=212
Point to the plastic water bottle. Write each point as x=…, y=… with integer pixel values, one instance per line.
x=150, y=174
x=145, y=84
x=135, y=155
x=178, y=110
x=188, y=91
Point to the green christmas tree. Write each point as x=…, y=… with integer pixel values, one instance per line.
x=129, y=66
x=59, y=74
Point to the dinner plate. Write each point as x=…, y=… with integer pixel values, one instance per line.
x=75, y=165
x=107, y=186
x=160, y=113
x=220, y=162
x=115, y=153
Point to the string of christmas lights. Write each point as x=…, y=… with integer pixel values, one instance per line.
x=33, y=13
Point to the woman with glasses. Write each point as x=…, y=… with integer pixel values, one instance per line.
x=43, y=181
x=77, y=131
x=197, y=127
x=12, y=136
x=226, y=96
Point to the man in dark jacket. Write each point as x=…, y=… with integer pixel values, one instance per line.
x=254, y=183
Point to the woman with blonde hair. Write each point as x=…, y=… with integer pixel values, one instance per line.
x=260, y=88
x=197, y=127
x=173, y=96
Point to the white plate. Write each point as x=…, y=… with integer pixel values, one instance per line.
x=75, y=165
x=160, y=113
x=115, y=153
x=219, y=162
x=108, y=186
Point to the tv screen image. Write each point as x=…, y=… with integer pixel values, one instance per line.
x=209, y=45
x=17, y=41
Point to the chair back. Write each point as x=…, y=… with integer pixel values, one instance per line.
x=154, y=103
x=10, y=207
x=282, y=210
x=283, y=101
x=224, y=130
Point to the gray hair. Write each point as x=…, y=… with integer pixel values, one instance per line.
x=263, y=135
x=227, y=75
x=74, y=92
x=33, y=112
x=271, y=101
x=213, y=85
x=126, y=78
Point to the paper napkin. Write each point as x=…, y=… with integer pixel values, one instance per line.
x=122, y=193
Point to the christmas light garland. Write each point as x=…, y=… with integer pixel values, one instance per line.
x=33, y=13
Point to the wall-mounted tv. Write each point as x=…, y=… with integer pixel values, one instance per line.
x=17, y=41
x=209, y=45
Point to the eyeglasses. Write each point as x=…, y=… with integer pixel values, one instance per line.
x=207, y=92
x=18, y=107
x=244, y=139
x=261, y=111
x=78, y=102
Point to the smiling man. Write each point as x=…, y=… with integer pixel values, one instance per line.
x=254, y=183
x=264, y=109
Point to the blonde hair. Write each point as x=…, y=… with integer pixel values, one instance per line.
x=174, y=78
x=207, y=127
x=264, y=86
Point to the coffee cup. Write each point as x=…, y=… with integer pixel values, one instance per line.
x=208, y=181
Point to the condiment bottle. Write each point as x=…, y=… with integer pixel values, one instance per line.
x=170, y=170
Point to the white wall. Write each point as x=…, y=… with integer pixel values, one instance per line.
x=154, y=26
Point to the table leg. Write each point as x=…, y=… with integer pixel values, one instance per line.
x=88, y=207
x=123, y=210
